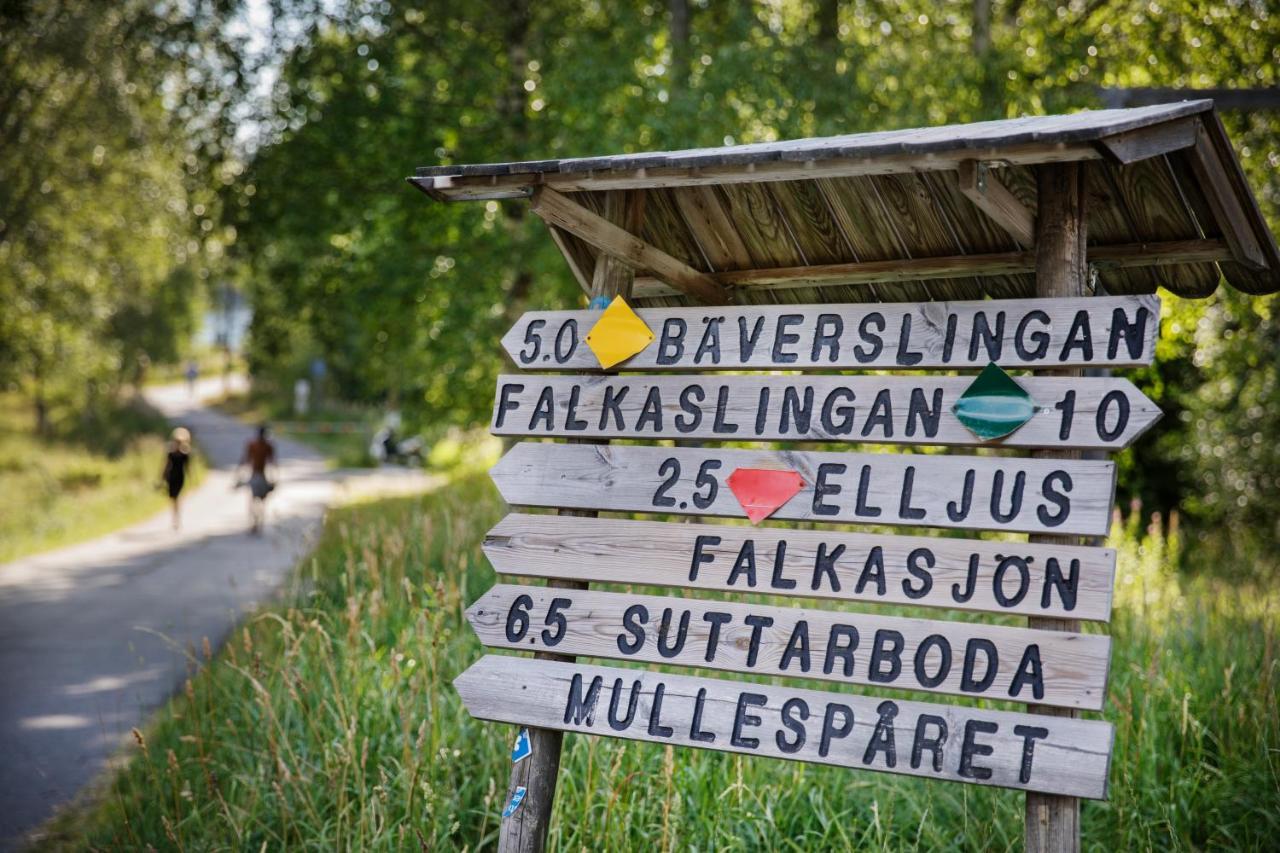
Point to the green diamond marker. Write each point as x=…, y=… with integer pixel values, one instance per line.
x=994, y=405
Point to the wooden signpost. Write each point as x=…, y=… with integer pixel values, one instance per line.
x=1053, y=671
x=937, y=216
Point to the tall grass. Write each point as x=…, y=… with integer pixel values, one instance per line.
x=329, y=722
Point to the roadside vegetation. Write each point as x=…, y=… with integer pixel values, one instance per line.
x=329, y=722
x=90, y=474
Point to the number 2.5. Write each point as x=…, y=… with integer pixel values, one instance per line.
x=706, y=486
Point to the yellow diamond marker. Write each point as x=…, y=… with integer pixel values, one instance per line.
x=618, y=334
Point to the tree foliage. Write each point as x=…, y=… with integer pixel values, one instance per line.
x=146, y=163
x=406, y=298
x=114, y=137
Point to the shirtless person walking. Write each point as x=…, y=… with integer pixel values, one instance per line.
x=259, y=453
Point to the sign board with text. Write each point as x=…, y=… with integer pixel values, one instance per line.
x=1033, y=752
x=969, y=492
x=962, y=658
x=1111, y=331
x=1010, y=578
x=1099, y=413
x=674, y=387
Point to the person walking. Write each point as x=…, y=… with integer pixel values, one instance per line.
x=258, y=454
x=176, y=463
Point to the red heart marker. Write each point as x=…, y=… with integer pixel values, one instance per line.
x=761, y=491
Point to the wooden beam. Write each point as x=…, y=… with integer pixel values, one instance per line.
x=994, y=199
x=1152, y=141
x=1159, y=254
x=478, y=187
x=1225, y=204
x=563, y=212
x=1052, y=821
x=1123, y=255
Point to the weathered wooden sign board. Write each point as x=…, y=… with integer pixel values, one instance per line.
x=1099, y=413
x=1064, y=669
x=1042, y=333
x=769, y=222
x=1029, y=751
x=967, y=659
x=973, y=492
x=1031, y=579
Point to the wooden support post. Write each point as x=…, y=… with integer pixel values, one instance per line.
x=1053, y=822
x=525, y=831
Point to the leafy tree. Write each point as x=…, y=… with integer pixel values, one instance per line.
x=114, y=139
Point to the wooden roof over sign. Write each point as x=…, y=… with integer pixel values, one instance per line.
x=908, y=215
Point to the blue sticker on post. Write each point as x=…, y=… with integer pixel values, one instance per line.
x=522, y=749
x=516, y=799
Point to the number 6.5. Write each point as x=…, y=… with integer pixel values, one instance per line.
x=518, y=620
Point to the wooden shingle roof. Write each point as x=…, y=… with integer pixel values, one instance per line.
x=933, y=213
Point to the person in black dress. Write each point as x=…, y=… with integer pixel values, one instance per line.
x=175, y=468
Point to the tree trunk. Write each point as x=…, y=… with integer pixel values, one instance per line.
x=990, y=84
x=828, y=22
x=680, y=55
x=515, y=119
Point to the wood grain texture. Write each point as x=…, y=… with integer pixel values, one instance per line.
x=1013, y=333
x=1148, y=198
x=959, y=658
x=990, y=196
x=471, y=187
x=712, y=228
x=1052, y=822
x=958, y=574
x=1153, y=141
x=802, y=206
x=1085, y=413
x=1000, y=272
x=566, y=214
x=1066, y=756
x=966, y=492
x=1241, y=276
x=611, y=274
x=1228, y=211
x=758, y=222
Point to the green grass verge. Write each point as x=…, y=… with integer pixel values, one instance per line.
x=95, y=475
x=329, y=722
